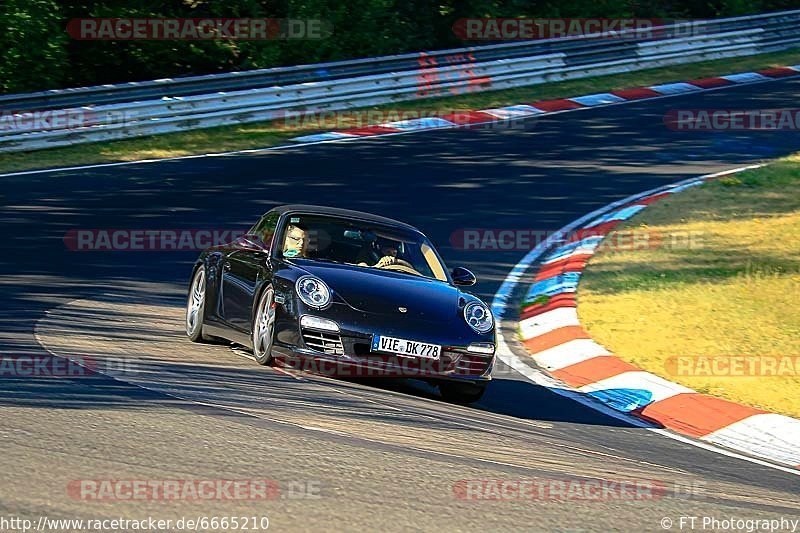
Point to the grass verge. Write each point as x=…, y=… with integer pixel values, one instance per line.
x=716, y=307
x=265, y=134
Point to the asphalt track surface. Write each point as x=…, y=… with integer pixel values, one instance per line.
x=376, y=455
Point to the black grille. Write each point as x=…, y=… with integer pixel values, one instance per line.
x=472, y=364
x=328, y=343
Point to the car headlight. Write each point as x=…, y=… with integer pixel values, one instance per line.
x=479, y=317
x=313, y=291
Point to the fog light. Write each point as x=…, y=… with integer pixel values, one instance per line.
x=315, y=322
x=481, y=347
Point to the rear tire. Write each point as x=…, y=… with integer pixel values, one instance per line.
x=461, y=393
x=264, y=327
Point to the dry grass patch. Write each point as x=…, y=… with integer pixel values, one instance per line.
x=734, y=292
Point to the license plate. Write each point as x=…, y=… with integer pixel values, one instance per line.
x=393, y=345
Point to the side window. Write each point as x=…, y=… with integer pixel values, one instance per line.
x=265, y=228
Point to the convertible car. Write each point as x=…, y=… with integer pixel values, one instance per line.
x=347, y=293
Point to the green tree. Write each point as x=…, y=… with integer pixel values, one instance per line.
x=32, y=46
x=36, y=53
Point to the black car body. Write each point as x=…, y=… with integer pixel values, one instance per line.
x=250, y=289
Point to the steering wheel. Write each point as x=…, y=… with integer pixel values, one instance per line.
x=399, y=267
x=403, y=262
x=398, y=262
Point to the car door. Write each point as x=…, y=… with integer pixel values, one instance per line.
x=243, y=269
x=239, y=279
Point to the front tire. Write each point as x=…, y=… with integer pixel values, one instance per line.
x=196, y=307
x=461, y=393
x=264, y=327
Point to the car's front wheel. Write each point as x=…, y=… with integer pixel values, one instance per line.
x=463, y=393
x=196, y=306
x=264, y=327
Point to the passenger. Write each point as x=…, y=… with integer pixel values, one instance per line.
x=295, y=244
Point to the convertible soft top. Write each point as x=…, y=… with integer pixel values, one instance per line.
x=345, y=213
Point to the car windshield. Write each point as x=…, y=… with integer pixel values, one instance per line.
x=364, y=244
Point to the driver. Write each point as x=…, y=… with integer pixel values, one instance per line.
x=388, y=253
x=295, y=243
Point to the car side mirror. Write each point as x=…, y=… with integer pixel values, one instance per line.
x=462, y=276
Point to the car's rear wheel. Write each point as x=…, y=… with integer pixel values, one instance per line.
x=264, y=327
x=463, y=393
x=196, y=306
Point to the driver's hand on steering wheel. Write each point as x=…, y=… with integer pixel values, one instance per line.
x=386, y=260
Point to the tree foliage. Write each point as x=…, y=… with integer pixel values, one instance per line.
x=37, y=53
x=33, y=46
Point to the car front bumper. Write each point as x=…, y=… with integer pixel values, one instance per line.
x=347, y=354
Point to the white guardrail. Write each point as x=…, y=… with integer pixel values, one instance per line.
x=133, y=110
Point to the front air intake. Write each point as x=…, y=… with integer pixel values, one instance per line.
x=327, y=343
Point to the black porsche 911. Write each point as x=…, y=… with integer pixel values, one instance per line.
x=347, y=293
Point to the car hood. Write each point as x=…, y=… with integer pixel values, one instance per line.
x=384, y=292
